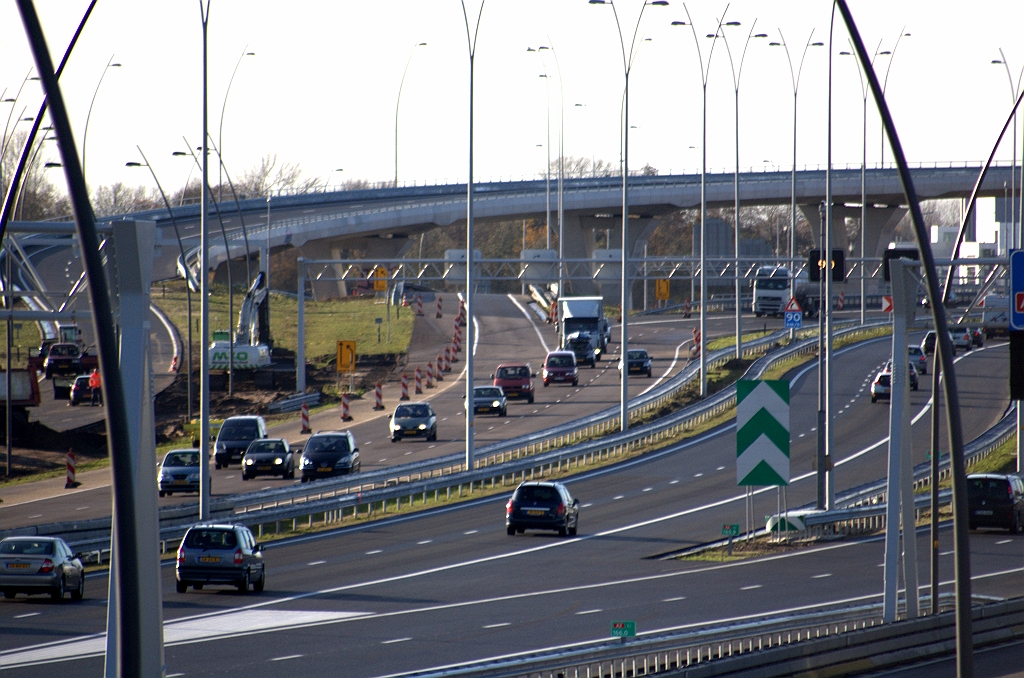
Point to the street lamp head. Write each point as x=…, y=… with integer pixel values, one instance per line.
x=817, y=44
x=660, y=3
x=114, y=66
x=51, y=165
x=179, y=153
x=543, y=47
x=885, y=51
x=760, y=35
x=597, y=2
x=530, y=49
x=997, y=61
x=732, y=23
x=134, y=164
x=9, y=100
x=421, y=44
x=250, y=54
x=579, y=105
x=775, y=44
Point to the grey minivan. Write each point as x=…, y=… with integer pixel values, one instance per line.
x=220, y=554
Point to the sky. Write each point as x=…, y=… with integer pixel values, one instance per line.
x=321, y=88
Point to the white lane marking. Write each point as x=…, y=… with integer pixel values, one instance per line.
x=175, y=675
x=425, y=541
x=672, y=365
x=81, y=508
x=587, y=504
x=444, y=418
x=617, y=497
x=673, y=600
x=697, y=475
x=750, y=588
x=588, y=612
x=285, y=658
x=38, y=515
x=228, y=477
x=720, y=468
x=381, y=461
x=470, y=531
x=317, y=562
x=672, y=482
x=374, y=552
x=822, y=576
x=1005, y=541
x=396, y=640
x=497, y=626
x=27, y=615
x=946, y=553
x=532, y=324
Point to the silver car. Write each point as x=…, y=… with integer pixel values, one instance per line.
x=179, y=472
x=411, y=420
x=35, y=565
x=489, y=399
x=220, y=554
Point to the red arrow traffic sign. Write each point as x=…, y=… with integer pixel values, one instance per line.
x=792, y=306
x=886, y=304
x=1018, y=300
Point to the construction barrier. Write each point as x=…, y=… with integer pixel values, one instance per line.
x=70, y=484
x=439, y=370
x=345, y=416
x=839, y=302
x=305, y=419
x=454, y=353
x=378, y=397
x=418, y=381
x=405, y=387
x=447, y=359
x=696, y=342
x=686, y=309
x=553, y=314
x=461, y=319
x=430, y=374
x=439, y=314
x=405, y=301
x=419, y=304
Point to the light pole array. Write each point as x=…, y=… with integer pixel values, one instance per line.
x=705, y=70
x=85, y=133
x=795, y=80
x=627, y=65
x=1015, y=216
x=737, y=73
x=398, y=101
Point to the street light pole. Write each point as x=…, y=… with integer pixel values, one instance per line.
x=737, y=73
x=204, y=299
x=885, y=83
x=547, y=167
x=795, y=80
x=1015, y=216
x=561, y=162
x=704, y=74
x=398, y=101
x=85, y=133
x=220, y=130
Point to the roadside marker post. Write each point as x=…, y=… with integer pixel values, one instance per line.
x=419, y=304
x=439, y=314
x=418, y=381
x=405, y=387
x=840, y=301
x=730, y=531
x=345, y=416
x=305, y=420
x=378, y=396
x=71, y=482
x=439, y=370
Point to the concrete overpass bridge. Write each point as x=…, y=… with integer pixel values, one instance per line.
x=382, y=223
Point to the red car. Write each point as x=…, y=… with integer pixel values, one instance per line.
x=515, y=379
x=560, y=366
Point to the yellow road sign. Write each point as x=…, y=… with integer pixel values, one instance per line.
x=346, y=356
x=661, y=290
x=380, y=279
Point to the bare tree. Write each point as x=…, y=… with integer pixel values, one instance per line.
x=575, y=168
x=268, y=176
x=118, y=198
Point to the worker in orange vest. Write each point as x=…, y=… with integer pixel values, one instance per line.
x=95, y=385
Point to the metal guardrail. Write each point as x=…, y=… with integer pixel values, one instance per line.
x=293, y=402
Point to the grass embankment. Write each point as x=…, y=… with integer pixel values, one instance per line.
x=25, y=341
x=327, y=322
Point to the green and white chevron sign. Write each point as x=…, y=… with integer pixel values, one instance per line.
x=762, y=432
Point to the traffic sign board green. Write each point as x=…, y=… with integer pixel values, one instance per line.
x=623, y=629
x=730, y=530
x=762, y=432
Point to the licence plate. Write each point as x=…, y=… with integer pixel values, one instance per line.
x=534, y=512
x=324, y=470
x=17, y=566
x=410, y=432
x=209, y=559
x=181, y=482
x=262, y=468
x=982, y=513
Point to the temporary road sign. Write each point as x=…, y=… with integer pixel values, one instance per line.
x=346, y=356
x=793, y=305
x=1017, y=289
x=762, y=432
x=886, y=303
x=380, y=279
x=623, y=629
x=730, y=530
x=661, y=289
x=794, y=320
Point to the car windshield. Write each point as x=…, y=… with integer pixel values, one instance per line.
x=63, y=351
x=336, y=444
x=489, y=392
x=412, y=412
x=540, y=493
x=559, y=361
x=884, y=379
x=267, y=447
x=988, y=488
x=513, y=373
x=182, y=459
x=211, y=539
x=772, y=283
x=638, y=355
x=26, y=547
x=238, y=430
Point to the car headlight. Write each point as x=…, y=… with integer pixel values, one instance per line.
x=164, y=475
x=423, y=427
x=495, y=404
x=248, y=461
x=307, y=463
x=278, y=461
x=396, y=426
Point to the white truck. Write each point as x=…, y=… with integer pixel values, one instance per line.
x=584, y=314
x=995, y=316
x=771, y=292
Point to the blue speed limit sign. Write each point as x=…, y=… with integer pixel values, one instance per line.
x=794, y=320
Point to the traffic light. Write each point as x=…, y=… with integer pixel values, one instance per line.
x=897, y=253
x=815, y=263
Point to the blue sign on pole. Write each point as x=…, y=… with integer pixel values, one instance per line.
x=794, y=320
x=1017, y=290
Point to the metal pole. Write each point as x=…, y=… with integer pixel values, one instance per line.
x=300, y=344
x=830, y=490
x=822, y=272
x=220, y=129
x=399, y=100
x=9, y=304
x=266, y=263
x=863, y=203
x=204, y=304
x=934, y=483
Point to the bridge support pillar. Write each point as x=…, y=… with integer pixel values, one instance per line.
x=582, y=233
x=327, y=283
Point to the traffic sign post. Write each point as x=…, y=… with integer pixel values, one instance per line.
x=661, y=289
x=380, y=279
x=794, y=315
x=623, y=629
x=730, y=531
x=347, y=361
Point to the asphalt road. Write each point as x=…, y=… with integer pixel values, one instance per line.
x=449, y=586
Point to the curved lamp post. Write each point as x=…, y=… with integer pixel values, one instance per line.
x=85, y=133
x=189, y=281
x=885, y=82
x=547, y=166
x=705, y=70
x=561, y=160
x=398, y=101
x=627, y=66
x=737, y=73
x=795, y=80
x=223, y=108
x=1015, y=236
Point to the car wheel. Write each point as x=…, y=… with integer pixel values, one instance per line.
x=243, y=585
x=305, y=479
x=79, y=593
x=545, y=384
x=9, y=595
x=169, y=493
x=874, y=399
x=562, y=532
x=914, y=388
x=245, y=476
x=575, y=382
x=572, y=530
x=261, y=582
x=593, y=365
x=291, y=473
x=73, y=403
x=648, y=374
x=58, y=593
x=511, y=531
x=502, y=413
x=530, y=400
x=1015, y=525
x=180, y=586
x=216, y=465
x=162, y=493
x=284, y=475
x=520, y=530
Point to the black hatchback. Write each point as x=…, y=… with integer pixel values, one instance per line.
x=330, y=453
x=995, y=500
x=542, y=506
